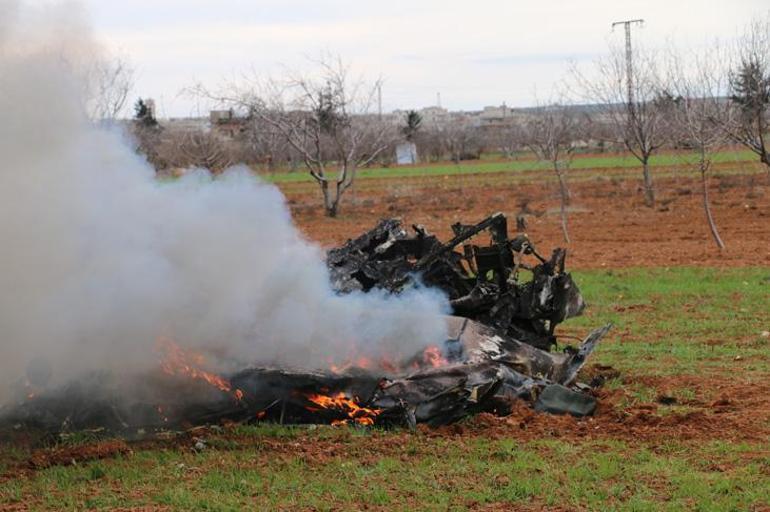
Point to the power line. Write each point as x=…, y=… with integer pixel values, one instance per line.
x=629, y=58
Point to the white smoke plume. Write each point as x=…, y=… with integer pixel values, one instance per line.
x=99, y=259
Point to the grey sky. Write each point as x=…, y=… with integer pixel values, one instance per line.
x=475, y=53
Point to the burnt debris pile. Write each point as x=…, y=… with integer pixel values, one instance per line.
x=501, y=348
x=482, y=282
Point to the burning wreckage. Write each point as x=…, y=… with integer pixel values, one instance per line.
x=499, y=350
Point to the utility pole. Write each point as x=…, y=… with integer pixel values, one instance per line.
x=629, y=59
x=379, y=100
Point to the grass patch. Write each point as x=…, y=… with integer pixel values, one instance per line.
x=444, y=474
x=517, y=166
x=679, y=320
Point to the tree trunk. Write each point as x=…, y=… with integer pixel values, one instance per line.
x=564, y=194
x=707, y=206
x=333, y=208
x=563, y=189
x=765, y=159
x=649, y=190
x=330, y=204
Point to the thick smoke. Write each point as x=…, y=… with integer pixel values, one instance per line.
x=99, y=259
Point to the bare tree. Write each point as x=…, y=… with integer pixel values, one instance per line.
x=325, y=118
x=267, y=146
x=638, y=122
x=750, y=91
x=701, y=113
x=460, y=141
x=206, y=150
x=550, y=133
x=430, y=144
x=110, y=81
x=508, y=139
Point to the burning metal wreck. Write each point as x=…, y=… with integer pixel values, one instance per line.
x=482, y=282
x=499, y=350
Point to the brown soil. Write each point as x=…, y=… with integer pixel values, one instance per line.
x=741, y=412
x=609, y=224
x=65, y=455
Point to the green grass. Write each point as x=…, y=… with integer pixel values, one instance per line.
x=424, y=474
x=679, y=321
x=515, y=166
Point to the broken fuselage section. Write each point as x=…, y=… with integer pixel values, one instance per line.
x=483, y=282
x=508, y=324
x=482, y=372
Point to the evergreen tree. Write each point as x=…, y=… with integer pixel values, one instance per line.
x=751, y=88
x=144, y=115
x=413, y=123
x=750, y=92
x=147, y=132
x=328, y=112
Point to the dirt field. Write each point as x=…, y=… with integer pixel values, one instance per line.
x=608, y=222
x=684, y=415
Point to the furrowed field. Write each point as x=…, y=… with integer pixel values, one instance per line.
x=684, y=415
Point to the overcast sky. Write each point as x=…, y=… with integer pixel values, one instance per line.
x=474, y=52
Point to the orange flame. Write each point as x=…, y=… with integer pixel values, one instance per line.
x=433, y=357
x=430, y=357
x=339, y=402
x=178, y=361
x=364, y=363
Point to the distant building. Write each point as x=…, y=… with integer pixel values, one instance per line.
x=226, y=124
x=435, y=116
x=495, y=115
x=185, y=124
x=406, y=153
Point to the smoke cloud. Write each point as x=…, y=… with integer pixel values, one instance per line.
x=99, y=258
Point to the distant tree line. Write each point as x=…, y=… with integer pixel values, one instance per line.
x=324, y=122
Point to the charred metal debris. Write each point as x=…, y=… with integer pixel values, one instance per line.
x=500, y=349
x=482, y=282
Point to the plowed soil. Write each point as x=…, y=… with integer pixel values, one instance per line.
x=608, y=222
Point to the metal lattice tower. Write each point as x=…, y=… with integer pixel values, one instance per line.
x=629, y=58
